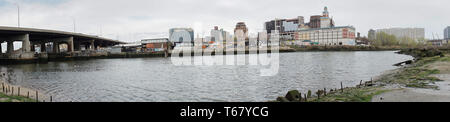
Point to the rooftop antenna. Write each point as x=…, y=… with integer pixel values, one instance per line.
x=18, y=14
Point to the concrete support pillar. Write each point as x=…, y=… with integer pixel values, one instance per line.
x=26, y=43
x=70, y=45
x=55, y=47
x=92, y=45
x=43, y=47
x=10, y=47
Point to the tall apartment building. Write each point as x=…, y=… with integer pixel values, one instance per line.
x=447, y=33
x=417, y=34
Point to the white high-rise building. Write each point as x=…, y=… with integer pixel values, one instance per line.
x=447, y=33
x=417, y=34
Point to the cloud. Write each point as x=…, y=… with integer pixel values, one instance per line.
x=132, y=20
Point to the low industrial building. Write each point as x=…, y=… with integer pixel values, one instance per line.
x=333, y=36
x=155, y=45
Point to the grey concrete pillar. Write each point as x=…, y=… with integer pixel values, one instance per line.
x=92, y=45
x=43, y=47
x=55, y=47
x=70, y=45
x=26, y=43
x=10, y=47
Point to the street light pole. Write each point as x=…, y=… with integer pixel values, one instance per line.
x=18, y=15
x=74, y=25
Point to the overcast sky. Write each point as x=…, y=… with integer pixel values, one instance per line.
x=132, y=20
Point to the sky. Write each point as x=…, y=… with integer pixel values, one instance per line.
x=133, y=20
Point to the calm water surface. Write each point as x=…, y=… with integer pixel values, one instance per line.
x=157, y=79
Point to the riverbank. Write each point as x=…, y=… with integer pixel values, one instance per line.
x=12, y=93
x=427, y=79
x=104, y=55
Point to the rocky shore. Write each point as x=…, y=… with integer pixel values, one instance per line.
x=409, y=81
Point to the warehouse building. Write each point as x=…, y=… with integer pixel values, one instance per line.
x=332, y=36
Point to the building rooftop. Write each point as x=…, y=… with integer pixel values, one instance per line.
x=327, y=28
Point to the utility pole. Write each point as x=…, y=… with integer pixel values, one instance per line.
x=74, y=24
x=18, y=14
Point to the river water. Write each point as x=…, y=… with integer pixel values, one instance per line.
x=158, y=80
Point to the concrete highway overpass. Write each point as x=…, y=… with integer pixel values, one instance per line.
x=32, y=37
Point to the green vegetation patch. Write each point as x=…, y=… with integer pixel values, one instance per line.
x=7, y=98
x=353, y=95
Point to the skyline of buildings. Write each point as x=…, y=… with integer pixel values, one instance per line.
x=320, y=30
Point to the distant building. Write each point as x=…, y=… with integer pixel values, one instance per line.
x=417, y=34
x=314, y=21
x=438, y=42
x=288, y=28
x=361, y=40
x=344, y=35
x=155, y=45
x=447, y=33
x=284, y=25
x=221, y=34
x=178, y=39
x=372, y=34
x=243, y=27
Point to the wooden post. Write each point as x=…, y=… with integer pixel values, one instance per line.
x=37, y=96
x=51, y=99
x=18, y=91
x=306, y=98
x=3, y=87
x=318, y=94
x=28, y=94
x=12, y=91
x=342, y=87
x=325, y=91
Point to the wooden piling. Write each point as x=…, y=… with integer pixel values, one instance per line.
x=306, y=98
x=28, y=94
x=18, y=91
x=3, y=87
x=342, y=87
x=37, y=96
x=51, y=99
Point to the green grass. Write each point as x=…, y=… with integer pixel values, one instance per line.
x=352, y=95
x=8, y=98
x=417, y=76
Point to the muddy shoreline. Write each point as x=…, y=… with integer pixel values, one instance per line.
x=409, y=76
